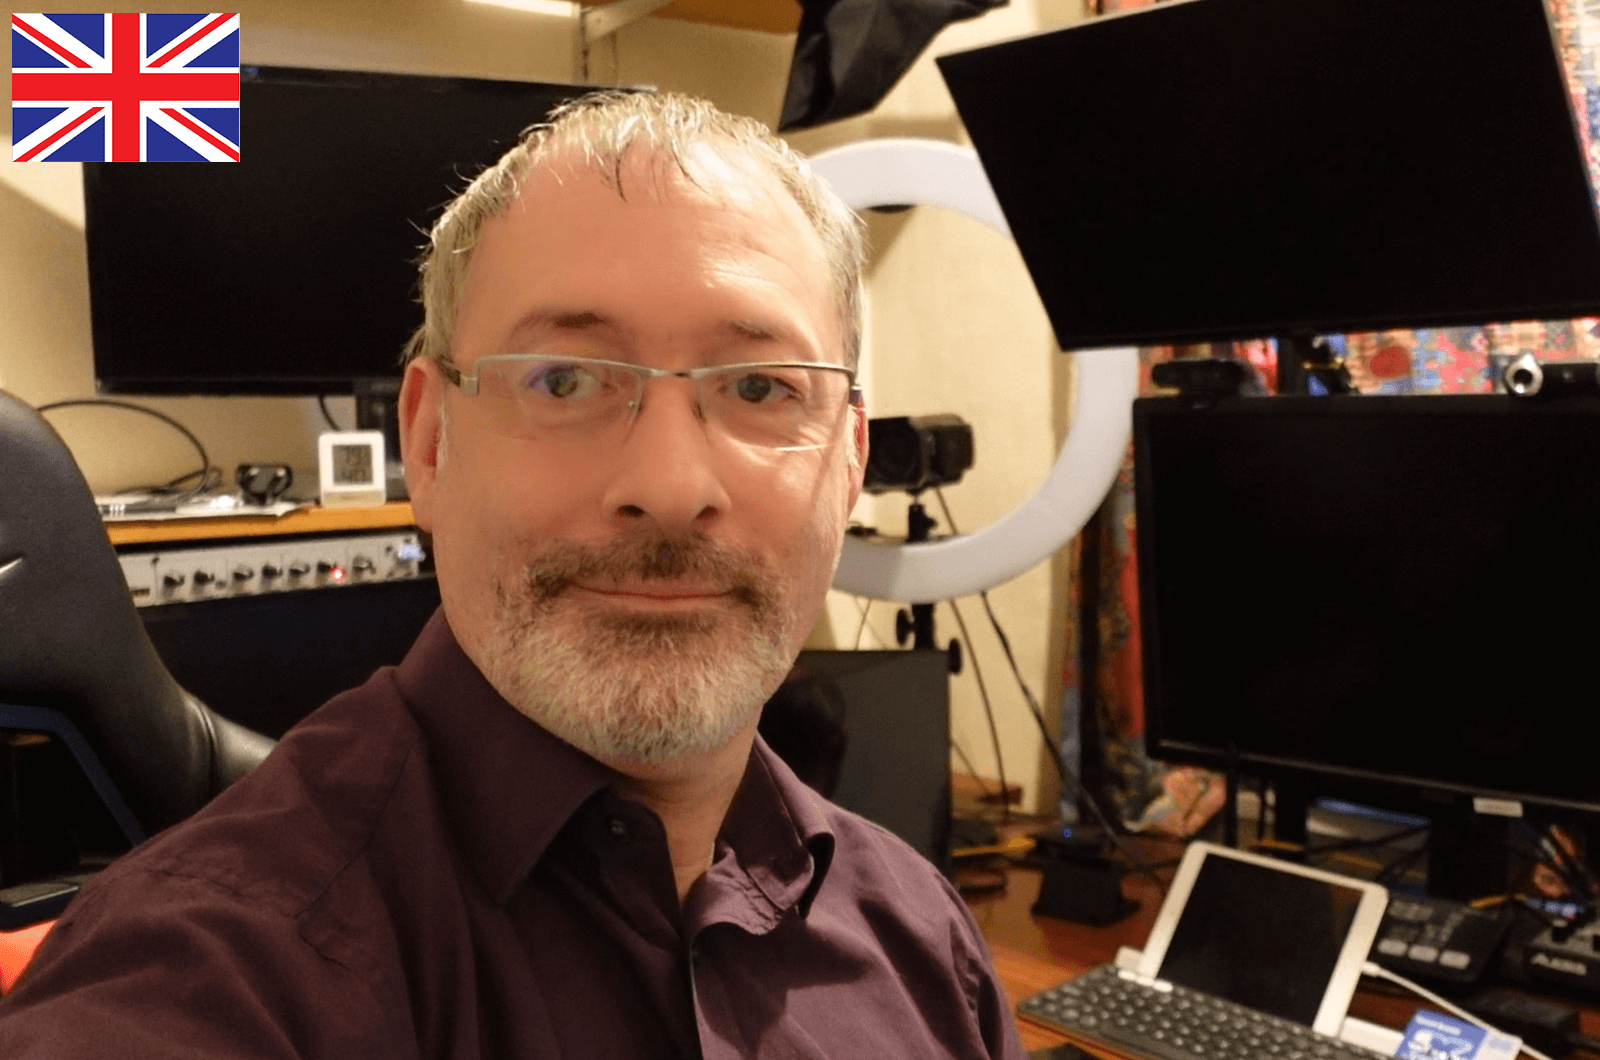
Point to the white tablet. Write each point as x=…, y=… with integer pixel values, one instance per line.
x=1277, y=937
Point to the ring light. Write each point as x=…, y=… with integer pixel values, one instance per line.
x=893, y=172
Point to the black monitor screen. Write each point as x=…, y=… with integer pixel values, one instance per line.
x=1227, y=169
x=1392, y=589
x=292, y=271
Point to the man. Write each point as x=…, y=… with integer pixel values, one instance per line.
x=630, y=424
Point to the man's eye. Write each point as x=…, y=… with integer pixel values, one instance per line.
x=568, y=381
x=760, y=388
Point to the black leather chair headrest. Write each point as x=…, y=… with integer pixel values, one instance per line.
x=71, y=639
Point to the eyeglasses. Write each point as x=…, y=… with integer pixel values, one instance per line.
x=782, y=405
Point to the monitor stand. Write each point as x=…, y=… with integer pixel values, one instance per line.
x=1470, y=854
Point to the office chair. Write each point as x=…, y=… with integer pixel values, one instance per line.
x=82, y=687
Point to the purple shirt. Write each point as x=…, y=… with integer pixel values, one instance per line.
x=420, y=871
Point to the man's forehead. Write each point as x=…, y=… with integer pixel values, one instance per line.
x=570, y=199
x=714, y=171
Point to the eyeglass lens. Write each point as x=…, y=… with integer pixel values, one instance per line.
x=545, y=399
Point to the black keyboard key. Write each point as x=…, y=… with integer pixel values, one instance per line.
x=1158, y=1045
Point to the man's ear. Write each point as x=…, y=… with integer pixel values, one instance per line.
x=858, y=414
x=421, y=397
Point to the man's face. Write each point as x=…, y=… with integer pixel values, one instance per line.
x=639, y=595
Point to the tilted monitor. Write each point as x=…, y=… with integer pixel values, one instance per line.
x=1234, y=169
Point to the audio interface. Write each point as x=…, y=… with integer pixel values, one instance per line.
x=189, y=573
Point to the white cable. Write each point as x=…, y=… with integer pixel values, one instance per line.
x=1378, y=971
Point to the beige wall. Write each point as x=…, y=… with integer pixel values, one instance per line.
x=955, y=325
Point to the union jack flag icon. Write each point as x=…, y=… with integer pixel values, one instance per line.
x=125, y=88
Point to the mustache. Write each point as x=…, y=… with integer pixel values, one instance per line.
x=651, y=557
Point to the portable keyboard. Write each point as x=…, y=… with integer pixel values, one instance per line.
x=1152, y=1018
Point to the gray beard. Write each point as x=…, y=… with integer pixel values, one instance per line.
x=631, y=687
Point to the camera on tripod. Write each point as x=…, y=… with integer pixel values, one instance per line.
x=915, y=453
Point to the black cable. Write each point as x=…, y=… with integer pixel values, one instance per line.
x=205, y=459
x=1341, y=845
x=322, y=403
x=1068, y=776
x=862, y=628
x=172, y=483
x=1579, y=1040
x=212, y=479
x=988, y=711
x=1583, y=881
x=972, y=771
x=1543, y=850
x=1399, y=865
x=1338, y=846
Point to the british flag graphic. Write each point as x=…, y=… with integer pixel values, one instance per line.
x=125, y=88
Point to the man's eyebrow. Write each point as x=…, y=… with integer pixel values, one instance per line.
x=546, y=321
x=578, y=321
x=754, y=330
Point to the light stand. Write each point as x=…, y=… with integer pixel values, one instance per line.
x=916, y=622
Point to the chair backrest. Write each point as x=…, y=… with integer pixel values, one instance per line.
x=72, y=641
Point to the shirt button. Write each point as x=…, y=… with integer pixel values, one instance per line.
x=619, y=828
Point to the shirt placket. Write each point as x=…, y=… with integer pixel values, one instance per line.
x=636, y=870
x=727, y=902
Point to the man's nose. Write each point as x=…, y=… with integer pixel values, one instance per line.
x=668, y=469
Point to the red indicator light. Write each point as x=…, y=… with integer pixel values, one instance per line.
x=337, y=575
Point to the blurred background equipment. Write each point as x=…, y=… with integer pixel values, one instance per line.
x=914, y=453
x=850, y=53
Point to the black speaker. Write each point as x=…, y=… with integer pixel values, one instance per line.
x=267, y=661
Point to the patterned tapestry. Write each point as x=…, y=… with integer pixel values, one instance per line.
x=1180, y=800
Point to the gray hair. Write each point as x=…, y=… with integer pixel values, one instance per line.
x=600, y=128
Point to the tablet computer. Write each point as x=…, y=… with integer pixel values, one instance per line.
x=1278, y=937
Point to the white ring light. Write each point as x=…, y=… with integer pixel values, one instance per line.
x=892, y=172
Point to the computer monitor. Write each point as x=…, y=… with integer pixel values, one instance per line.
x=1388, y=594
x=294, y=270
x=1236, y=169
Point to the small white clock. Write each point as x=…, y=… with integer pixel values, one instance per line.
x=351, y=469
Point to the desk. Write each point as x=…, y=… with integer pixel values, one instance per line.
x=1033, y=953
x=314, y=520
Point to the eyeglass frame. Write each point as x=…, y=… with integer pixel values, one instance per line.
x=468, y=383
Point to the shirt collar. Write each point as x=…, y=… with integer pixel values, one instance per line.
x=775, y=847
x=506, y=784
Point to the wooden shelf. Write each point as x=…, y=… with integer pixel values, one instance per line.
x=769, y=16
x=301, y=521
